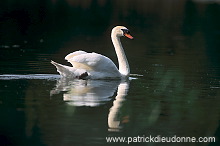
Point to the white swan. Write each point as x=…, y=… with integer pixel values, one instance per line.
x=96, y=66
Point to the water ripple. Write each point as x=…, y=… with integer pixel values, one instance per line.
x=29, y=76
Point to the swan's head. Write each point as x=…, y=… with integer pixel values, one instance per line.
x=120, y=31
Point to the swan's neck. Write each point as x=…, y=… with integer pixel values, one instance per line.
x=122, y=60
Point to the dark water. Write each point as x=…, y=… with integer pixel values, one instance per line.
x=176, y=50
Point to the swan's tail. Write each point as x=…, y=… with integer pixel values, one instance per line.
x=63, y=70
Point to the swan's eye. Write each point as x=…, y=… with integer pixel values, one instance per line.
x=125, y=31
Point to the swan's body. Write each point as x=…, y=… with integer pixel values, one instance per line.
x=95, y=66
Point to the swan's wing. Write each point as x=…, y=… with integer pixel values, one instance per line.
x=71, y=55
x=93, y=61
x=76, y=64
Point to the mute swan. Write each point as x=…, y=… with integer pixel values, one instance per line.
x=96, y=66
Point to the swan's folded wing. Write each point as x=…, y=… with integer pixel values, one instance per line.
x=85, y=61
x=92, y=61
x=71, y=55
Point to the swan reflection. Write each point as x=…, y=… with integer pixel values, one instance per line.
x=95, y=93
x=114, y=120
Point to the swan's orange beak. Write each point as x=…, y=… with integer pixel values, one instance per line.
x=129, y=36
